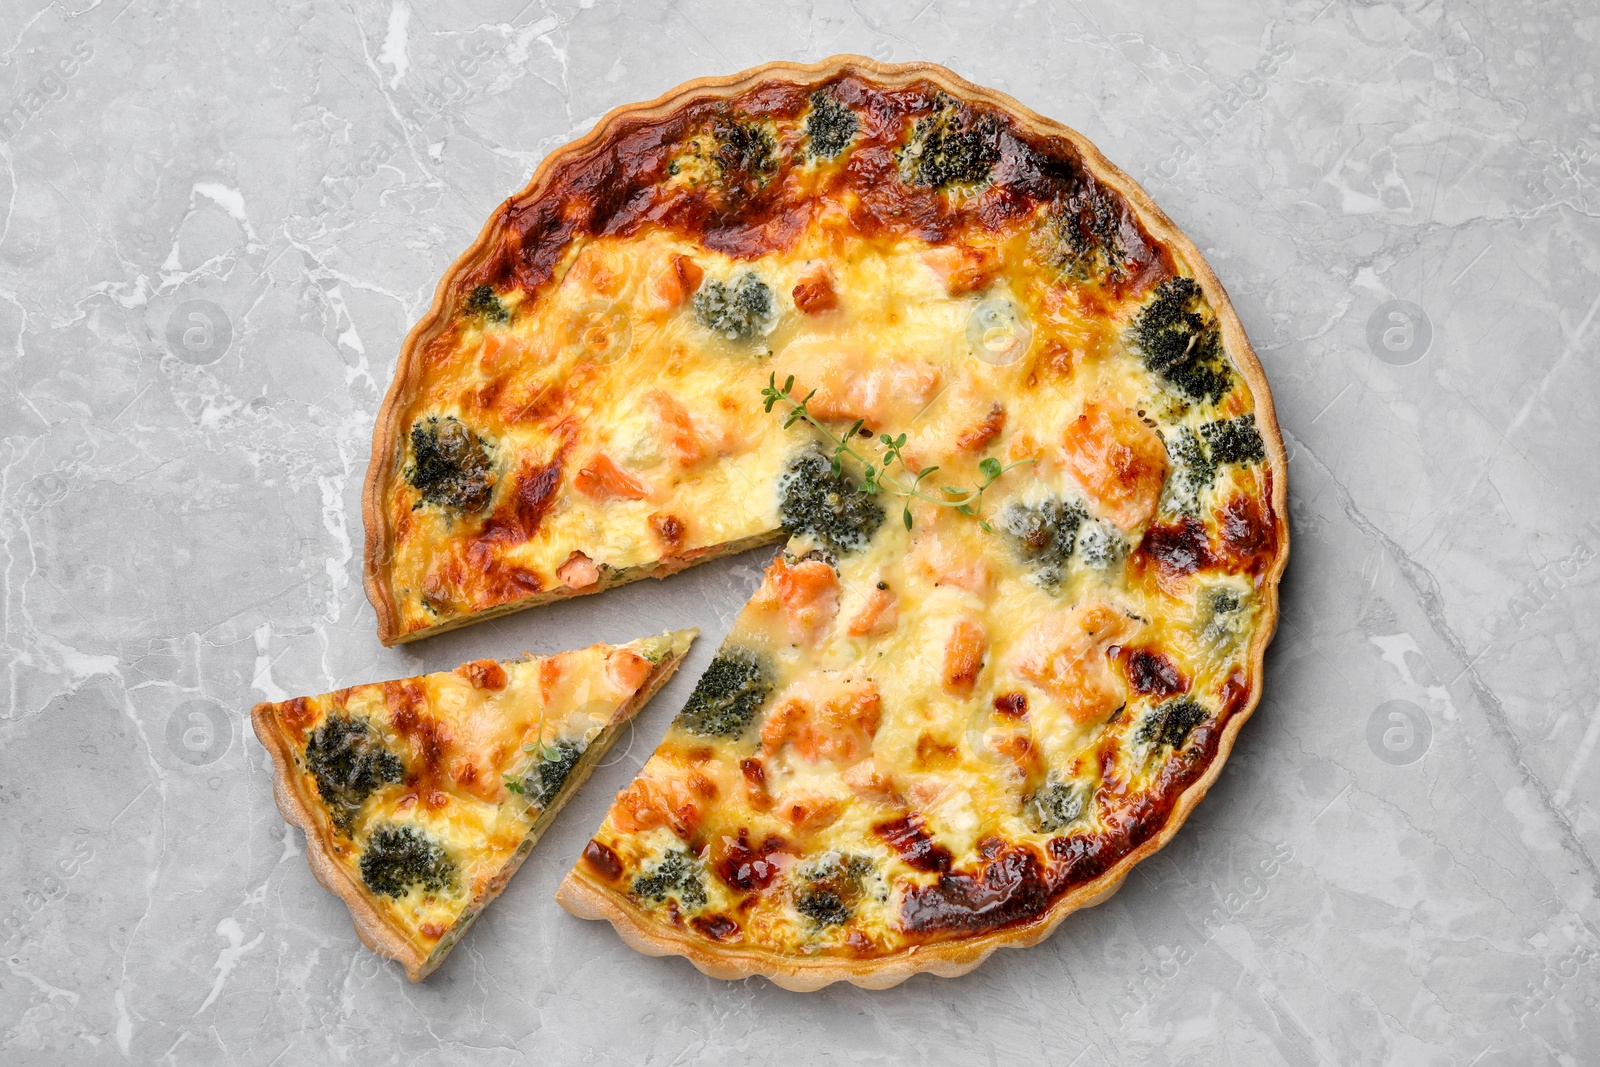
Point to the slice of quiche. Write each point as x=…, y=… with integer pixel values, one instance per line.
x=421, y=797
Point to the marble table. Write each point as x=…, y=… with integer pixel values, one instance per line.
x=217, y=222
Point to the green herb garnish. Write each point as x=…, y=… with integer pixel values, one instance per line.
x=875, y=470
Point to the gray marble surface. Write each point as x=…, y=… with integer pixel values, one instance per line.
x=217, y=222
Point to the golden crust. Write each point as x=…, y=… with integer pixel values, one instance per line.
x=948, y=959
x=585, y=898
x=299, y=809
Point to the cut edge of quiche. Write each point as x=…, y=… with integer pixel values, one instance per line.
x=390, y=634
x=382, y=770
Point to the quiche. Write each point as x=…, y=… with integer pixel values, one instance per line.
x=420, y=798
x=1022, y=458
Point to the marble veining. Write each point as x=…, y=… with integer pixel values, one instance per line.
x=217, y=222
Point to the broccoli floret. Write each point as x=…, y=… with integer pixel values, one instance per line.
x=727, y=696
x=823, y=907
x=1181, y=343
x=955, y=145
x=832, y=888
x=1045, y=534
x=485, y=302
x=1192, y=470
x=398, y=857
x=828, y=506
x=830, y=126
x=1085, y=235
x=677, y=875
x=547, y=775
x=733, y=156
x=745, y=152
x=1194, y=464
x=1099, y=545
x=449, y=464
x=1053, y=806
x=349, y=763
x=1170, y=723
x=739, y=311
x=1235, y=440
x=1218, y=616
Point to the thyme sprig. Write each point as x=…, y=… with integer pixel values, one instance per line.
x=875, y=470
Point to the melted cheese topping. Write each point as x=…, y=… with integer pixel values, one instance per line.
x=454, y=760
x=945, y=702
